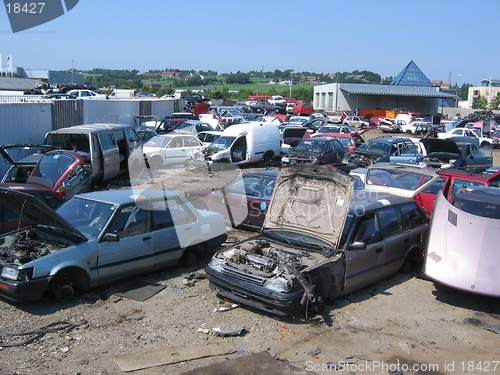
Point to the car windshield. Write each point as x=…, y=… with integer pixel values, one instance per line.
x=87, y=216
x=401, y=179
x=381, y=148
x=52, y=167
x=222, y=143
x=329, y=129
x=311, y=145
x=158, y=141
x=309, y=242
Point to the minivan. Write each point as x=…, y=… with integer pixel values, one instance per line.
x=109, y=146
x=303, y=108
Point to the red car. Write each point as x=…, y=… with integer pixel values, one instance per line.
x=450, y=181
x=346, y=139
x=242, y=201
x=303, y=108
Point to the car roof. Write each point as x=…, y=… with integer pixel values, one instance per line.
x=367, y=201
x=128, y=195
x=468, y=175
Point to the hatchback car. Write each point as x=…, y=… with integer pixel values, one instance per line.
x=21, y=159
x=317, y=244
x=97, y=238
x=316, y=150
x=242, y=201
x=303, y=108
x=170, y=149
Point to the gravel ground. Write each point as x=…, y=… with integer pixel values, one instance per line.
x=404, y=322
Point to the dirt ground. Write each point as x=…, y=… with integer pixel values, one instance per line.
x=404, y=323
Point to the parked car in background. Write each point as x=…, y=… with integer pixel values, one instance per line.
x=207, y=137
x=98, y=238
x=317, y=244
x=56, y=96
x=65, y=173
x=170, y=149
x=303, y=108
x=243, y=202
x=11, y=220
x=328, y=129
x=146, y=134
x=463, y=241
x=416, y=127
x=457, y=152
x=355, y=121
x=376, y=150
x=192, y=127
x=277, y=100
x=466, y=132
x=316, y=150
x=85, y=94
x=346, y=139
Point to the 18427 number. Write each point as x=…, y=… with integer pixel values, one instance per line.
x=29, y=8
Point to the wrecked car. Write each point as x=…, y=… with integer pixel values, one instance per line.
x=20, y=159
x=97, y=238
x=318, y=242
x=463, y=241
x=316, y=150
x=457, y=152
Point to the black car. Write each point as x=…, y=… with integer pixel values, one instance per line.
x=457, y=152
x=316, y=150
x=319, y=241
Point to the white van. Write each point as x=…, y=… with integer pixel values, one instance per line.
x=122, y=94
x=109, y=146
x=249, y=142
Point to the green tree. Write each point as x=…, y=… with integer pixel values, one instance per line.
x=494, y=103
x=480, y=102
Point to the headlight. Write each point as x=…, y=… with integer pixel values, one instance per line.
x=285, y=159
x=217, y=264
x=277, y=284
x=11, y=273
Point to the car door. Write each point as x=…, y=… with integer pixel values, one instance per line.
x=479, y=159
x=425, y=198
x=258, y=203
x=110, y=155
x=77, y=181
x=133, y=252
x=172, y=229
x=396, y=237
x=175, y=152
x=193, y=145
x=364, y=264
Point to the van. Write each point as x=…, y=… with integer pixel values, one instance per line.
x=122, y=94
x=109, y=146
x=303, y=108
x=249, y=142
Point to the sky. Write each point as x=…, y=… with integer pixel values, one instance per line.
x=449, y=40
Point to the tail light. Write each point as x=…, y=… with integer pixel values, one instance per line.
x=61, y=191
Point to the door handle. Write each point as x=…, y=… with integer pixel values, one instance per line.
x=146, y=238
x=379, y=250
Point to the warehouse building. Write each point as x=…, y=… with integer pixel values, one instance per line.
x=410, y=91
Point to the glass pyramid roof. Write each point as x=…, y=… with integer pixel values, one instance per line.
x=411, y=75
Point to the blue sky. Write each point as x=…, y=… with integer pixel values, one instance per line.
x=443, y=37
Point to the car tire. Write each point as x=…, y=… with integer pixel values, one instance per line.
x=62, y=289
x=190, y=259
x=156, y=162
x=407, y=267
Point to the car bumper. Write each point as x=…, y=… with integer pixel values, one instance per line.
x=253, y=296
x=23, y=291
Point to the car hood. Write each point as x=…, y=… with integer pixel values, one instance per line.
x=440, y=145
x=35, y=211
x=311, y=200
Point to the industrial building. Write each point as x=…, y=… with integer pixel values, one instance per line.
x=410, y=91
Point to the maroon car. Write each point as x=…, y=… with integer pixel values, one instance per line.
x=242, y=201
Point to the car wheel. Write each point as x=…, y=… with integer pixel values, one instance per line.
x=62, y=289
x=268, y=156
x=190, y=259
x=407, y=267
x=409, y=132
x=484, y=143
x=156, y=162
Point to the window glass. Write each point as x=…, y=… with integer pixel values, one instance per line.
x=107, y=140
x=367, y=230
x=412, y=214
x=436, y=186
x=459, y=183
x=137, y=222
x=389, y=221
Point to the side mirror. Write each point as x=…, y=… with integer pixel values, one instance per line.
x=359, y=245
x=111, y=237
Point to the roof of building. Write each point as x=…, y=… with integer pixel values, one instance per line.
x=394, y=90
x=18, y=84
x=411, y=75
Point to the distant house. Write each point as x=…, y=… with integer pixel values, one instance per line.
x=170, y=75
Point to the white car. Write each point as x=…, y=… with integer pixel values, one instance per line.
x=85, y=94
x=465, y=132
x=277, y=100
x=416, y=127
x=170, y=149
x=355, y=121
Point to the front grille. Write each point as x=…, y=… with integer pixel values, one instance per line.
x=242, y=275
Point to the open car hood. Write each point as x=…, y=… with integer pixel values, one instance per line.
x=34, y=210
x=312, y=200
x=294, y=132
x=440, y=145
